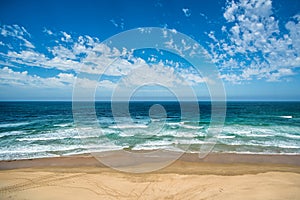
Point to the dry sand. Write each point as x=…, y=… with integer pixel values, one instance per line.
x=216, y=177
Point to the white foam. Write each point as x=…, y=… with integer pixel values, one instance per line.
x=183, y=125
x=63, y=125
x=84, y=136
x=60, y=135
x=174, y=123
x=293, y=136
x=12, y=133
x=14, y=124
x=157, y=120
x=289, y=147
x=128, y=126
x=158, y=143
x=225, y=136
x=255, y=153
x=40, y=139
x=151, y=145
x=250, y=131
x=267, y=143
x=189, y=142
x=258, y=135
x=126, y=134
x=185, y=134
x=191, y=127
x=51, y=135
x=286, y=116
x=38, y=149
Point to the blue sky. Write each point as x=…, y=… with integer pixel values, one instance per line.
x=255, y=45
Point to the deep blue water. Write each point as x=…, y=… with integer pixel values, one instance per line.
x=47, y=129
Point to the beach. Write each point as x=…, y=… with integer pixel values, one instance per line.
x=150, y=100
x=218, y=176
x=44, y=154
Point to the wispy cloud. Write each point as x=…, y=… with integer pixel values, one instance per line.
x=17, y=32
x=118, y=23
x=186, y=12
x=49, y=32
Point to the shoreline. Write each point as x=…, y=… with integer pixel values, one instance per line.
x=87, y=160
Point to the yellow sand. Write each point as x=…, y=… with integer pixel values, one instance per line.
x=182, y=180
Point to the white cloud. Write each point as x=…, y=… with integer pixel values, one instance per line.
x=203, y=15
x=255, y=47
x=192, y=77
x=186, y=12
x=89, y=55
x=86, y=55
x=49, y=32
x=61, y=81
x=230, y=11
x=106, y=84
x=119, y=24
x=66, y=37
x=17, y=32
x=280, y=73
x=23, y=79
x=36, y=59
x=62, y=52
x=114, y=23
x=154, y=74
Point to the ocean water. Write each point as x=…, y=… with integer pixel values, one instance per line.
x=47, y=129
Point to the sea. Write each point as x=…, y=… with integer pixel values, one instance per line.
x=48, y=129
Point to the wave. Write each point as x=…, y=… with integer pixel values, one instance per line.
x=14, y=124
x=128, y=126
x=283, y=145
x=288, y=147
x=257, y=153
x=191, y=127
x=293, y=136
x=63, y=125
x=258, y=135
x=11, y=133
x=64, y=134
x=53, y=138
x=182, y=124
x=190, y=142
x=249, y=131
x=185, y=134
x=39, y=139
x=52, y=151
x=286, y=116
x=225, y=136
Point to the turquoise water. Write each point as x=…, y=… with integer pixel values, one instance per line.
x=47, y=129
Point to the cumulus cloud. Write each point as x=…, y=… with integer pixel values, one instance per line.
x=9, y=77
x=23, y=79
x=70, y=55
x=254, y=46
x=82, y=54
x=66, y=37
x=152, y=75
